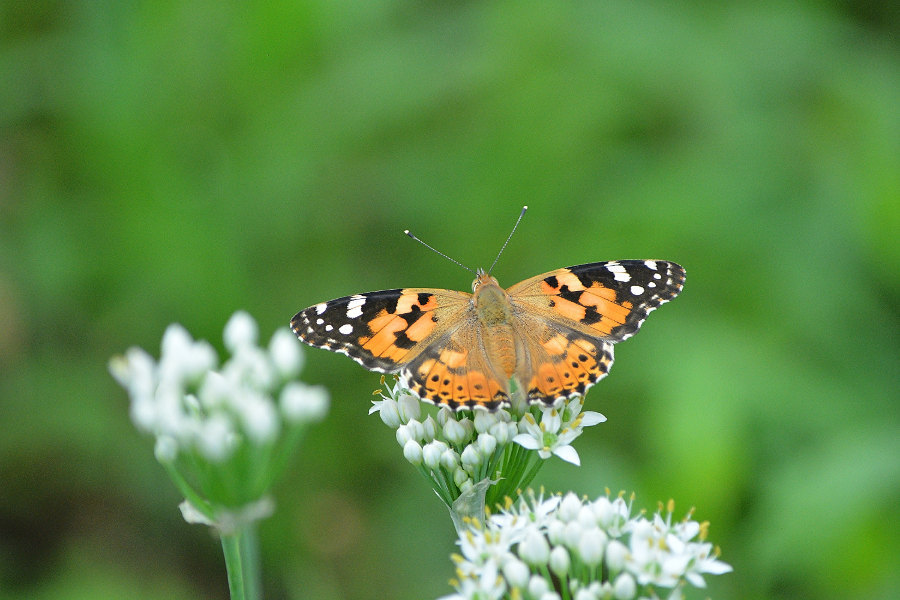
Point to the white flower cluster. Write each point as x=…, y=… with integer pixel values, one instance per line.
x=565, y=547
x=457, y=450
x=190, y=406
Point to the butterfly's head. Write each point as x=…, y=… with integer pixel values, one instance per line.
x=483, y=278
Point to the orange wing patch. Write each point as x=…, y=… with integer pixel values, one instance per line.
x=595, y=306
x=579, y=364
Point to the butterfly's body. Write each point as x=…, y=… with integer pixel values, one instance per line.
x=553, y=334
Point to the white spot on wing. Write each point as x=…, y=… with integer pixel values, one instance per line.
x=346, y=329
x=651, y=264
x=354, y=307
x=319, y=321
x=328, y=328
x=637, y=290
x=618, y=271
x=320, y=308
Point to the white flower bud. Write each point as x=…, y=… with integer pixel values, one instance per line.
x=285, y=353
x=460, y=477
x=445, y=414
x=534, y=549
x=625, y=587
x=549, y=595
x=569, y=507
x=431, y=428
x=412, y=451
x=537, y=586
x=215, y=437
x=455, y=432
x=259, y=417
x=404, y=435
x=450, y=460
x=240, y=331
x=616, y=554
x=486, y=444
x=590, y=546
x=390, y=413
x=431, y=454
x=603, y=511
x=484, y=420
x=516, y=572
x=586, y=517
x=410, y=407
x=303, y=403
x=470, y=458
x=559, y=561
x=500, y=431
x=556, y=530
x=572, y=534
x=585, y=594
x=416, y=429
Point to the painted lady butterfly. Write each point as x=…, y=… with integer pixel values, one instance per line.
x=553, y=334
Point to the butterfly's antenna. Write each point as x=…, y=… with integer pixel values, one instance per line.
x=406, y=231
x=521, y=214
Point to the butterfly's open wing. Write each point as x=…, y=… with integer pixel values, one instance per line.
x=383, y=330
x=573, y=316
x=609, y=300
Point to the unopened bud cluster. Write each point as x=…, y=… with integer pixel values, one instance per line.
x=457, y=450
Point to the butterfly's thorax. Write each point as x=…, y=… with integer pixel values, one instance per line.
x=495, y=316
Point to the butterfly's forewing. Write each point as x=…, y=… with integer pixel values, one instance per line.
x=383, y=330
x=607, y=299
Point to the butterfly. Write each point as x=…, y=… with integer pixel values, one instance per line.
x=552, y=334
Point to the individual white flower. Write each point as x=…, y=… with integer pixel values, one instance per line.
x=569, y=507
x=431, y=428
x=516, y=572
x=259, y=417
x=301, y=403
x=591, y=546
x=431, y=454
x=547, y=438
x=470, y=458
x=537, y=586
x=215, y=437
x=285, y=353
x=486, y=444
x=534, y=549
x=560, y=561
x=389, y=412
x=409, y=406
x=455, y=432
x=488, y=585
x=616, y=553
x=412, y=451
x=625, y=587
x=240, y=331
x=450, y=459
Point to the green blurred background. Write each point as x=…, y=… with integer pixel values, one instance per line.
x=176, y=161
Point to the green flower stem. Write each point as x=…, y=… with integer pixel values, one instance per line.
x=242, y=563
x=189, y=493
